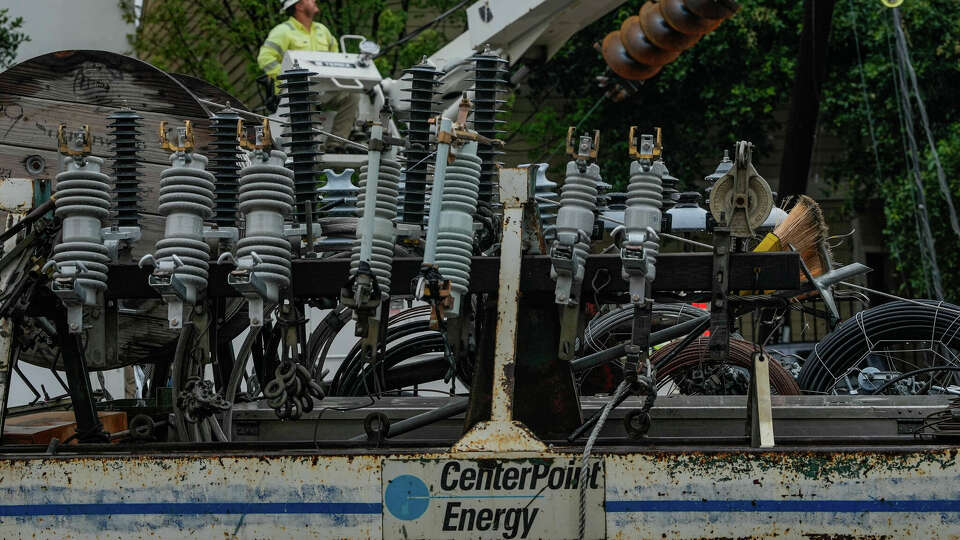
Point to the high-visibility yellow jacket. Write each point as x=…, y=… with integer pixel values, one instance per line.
x=292, y=36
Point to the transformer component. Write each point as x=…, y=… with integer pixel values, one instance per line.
x=82, y=202
x=224, y=157
x=339, y=194
x=461, y=190
x=181, y=261
x=125, y=138
x=642, y=217
x=741, y=200
x=372, y=260
x=489, y=80
x=266, y=197
x=301, y=141
x=126, y=142
x=423, y=108
x=687, y=216
x=670, y=183
x=546, y=193
x=339, y=222
x=722, y=168
x=575, y=219
x=445, y=272
x=659, y=33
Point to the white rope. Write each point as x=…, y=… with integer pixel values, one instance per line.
x=582, y=483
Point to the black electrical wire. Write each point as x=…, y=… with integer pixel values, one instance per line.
x=909, y=374
x=855, y=338
x=353, y=364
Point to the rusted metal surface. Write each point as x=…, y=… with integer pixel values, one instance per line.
x=502, y=432
x=499, y=436
x=203, y=497
x=731, y=493
x=16, y=195
x=784, y=494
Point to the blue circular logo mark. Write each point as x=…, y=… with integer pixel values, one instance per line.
x=407, y=497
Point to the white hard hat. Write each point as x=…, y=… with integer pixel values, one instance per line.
x=288, y=3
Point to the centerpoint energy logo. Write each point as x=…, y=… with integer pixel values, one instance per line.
x=496, y=498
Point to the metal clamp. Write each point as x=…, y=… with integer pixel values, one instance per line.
x=586, y=149
x=80, y=144
x=649, y=148
x=185, y=141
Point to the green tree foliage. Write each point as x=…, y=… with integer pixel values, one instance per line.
x=725, y=89
x=729, y=85
x=10, y=38
x=862, y=94
x=202, y=37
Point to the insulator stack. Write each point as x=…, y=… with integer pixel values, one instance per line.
x=575, y=220
x=670, y=193
x=461, y=189
x=659, y=33
x=339, y=192
x=546, y=192
x=125, y=137
x=603, y=194
x=384, y=233
x=423, y=84
x=644, y=198
x=224, y=156
x=489, y=80
x=266, y=196
x=82, y=202
x=401, y=194
x=186, y=200
x=301, y=140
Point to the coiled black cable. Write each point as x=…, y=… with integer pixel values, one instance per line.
x=921, y=320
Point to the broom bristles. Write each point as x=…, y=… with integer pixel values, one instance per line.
x=805, y=229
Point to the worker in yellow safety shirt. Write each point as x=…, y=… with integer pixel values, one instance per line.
x=301, y=33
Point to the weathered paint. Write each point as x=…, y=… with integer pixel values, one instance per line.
x=799, y=494
x=16, y=195
x=490, y=497
x=502, y=433
x=899, y=493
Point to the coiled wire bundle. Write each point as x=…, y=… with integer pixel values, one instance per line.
x=693, y=372
x=386, y=210
x=83, y=202
x=461, y=189
x=186, y=199
x=266, y=198
x=846, y=347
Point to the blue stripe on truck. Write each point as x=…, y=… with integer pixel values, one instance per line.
x=822, y=506
x=190, y=508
